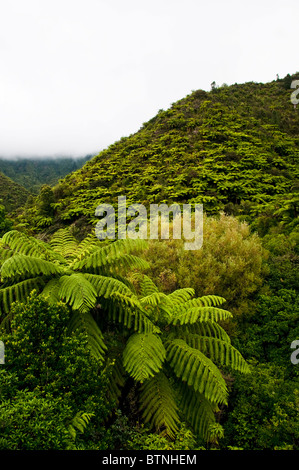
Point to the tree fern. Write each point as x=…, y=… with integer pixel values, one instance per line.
x=200, y=314
x=159, y=406
x=197, y=370
x=198, y=411
x=77, y=292
x=143, y=356
x=20, y=265
x=218, y=350
x=64, y=243
x=53, y=270
x=85, y=323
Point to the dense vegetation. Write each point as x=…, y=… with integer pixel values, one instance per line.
x=193, y=348
x=33, y=173
x=12, y=194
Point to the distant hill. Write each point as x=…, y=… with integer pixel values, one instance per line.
x=12, y=194
x=32, y=173
x=234, y=149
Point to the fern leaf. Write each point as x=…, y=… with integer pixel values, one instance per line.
x=64, y=243
x=79, y=422
x=158, y=405
x=116, y=380
x=207, y=328
x=218, y=351
x=199, y=412
x=78, y=292
x=18, y=292
x=128, y=311
x=51, y=290
x=85, y=323
x=143, y=356
x=200, y=314
x=197, y=370
x=107, y=286
x=19, y=266
x=180, y=296
x=147, y=285
x=20, y=243
x=204, y=301
x=118, y=253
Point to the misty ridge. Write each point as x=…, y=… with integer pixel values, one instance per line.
x=33, y=172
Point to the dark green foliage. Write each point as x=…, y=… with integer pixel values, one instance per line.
x=265, y=411
x=48, y=376
x=5, y=223
x=12, y=194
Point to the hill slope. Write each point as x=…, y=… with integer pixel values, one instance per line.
x=12, y=194
x=234, y=148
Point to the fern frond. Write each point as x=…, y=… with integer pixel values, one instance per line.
x=64, y=243
x=153, y=299
x=143, y=356
x=78, y=292
x=147, y=285
x=200, y=314
x=5, y=253
x=158, y=405
x=51, y=290
x=218, y=351
x=197, y=370
x=18, y=292
x=118, y=253
x=199, y=412
x=79, y=422
x=116, y=380
x=128, y=311
x=107, y=286
x=19, y=266
x=85, y=323
x=207, y=328
x=20, y=243
x=180, y=296
x=204, y=301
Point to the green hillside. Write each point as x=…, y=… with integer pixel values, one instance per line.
x=12, y=194
x=234, y=148
x=142, y=344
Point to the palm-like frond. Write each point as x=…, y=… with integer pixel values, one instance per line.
x=77, y=292
x=20, y=266
x=64, y=243
x=198, y=411
x=158, y=405
x=181, y=296
x=18, y=292
x=20, y=243
x=85, y=323
x=218, y=350
x=207, y=328
x=116, y=254
x=200, y=314
x=197, y=370
x=129, y=312
x=117, y=379
x=106, y=287
x=143, y=356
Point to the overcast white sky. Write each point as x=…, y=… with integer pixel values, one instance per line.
x=77, y=75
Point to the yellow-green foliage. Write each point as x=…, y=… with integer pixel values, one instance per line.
x=230, y=263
